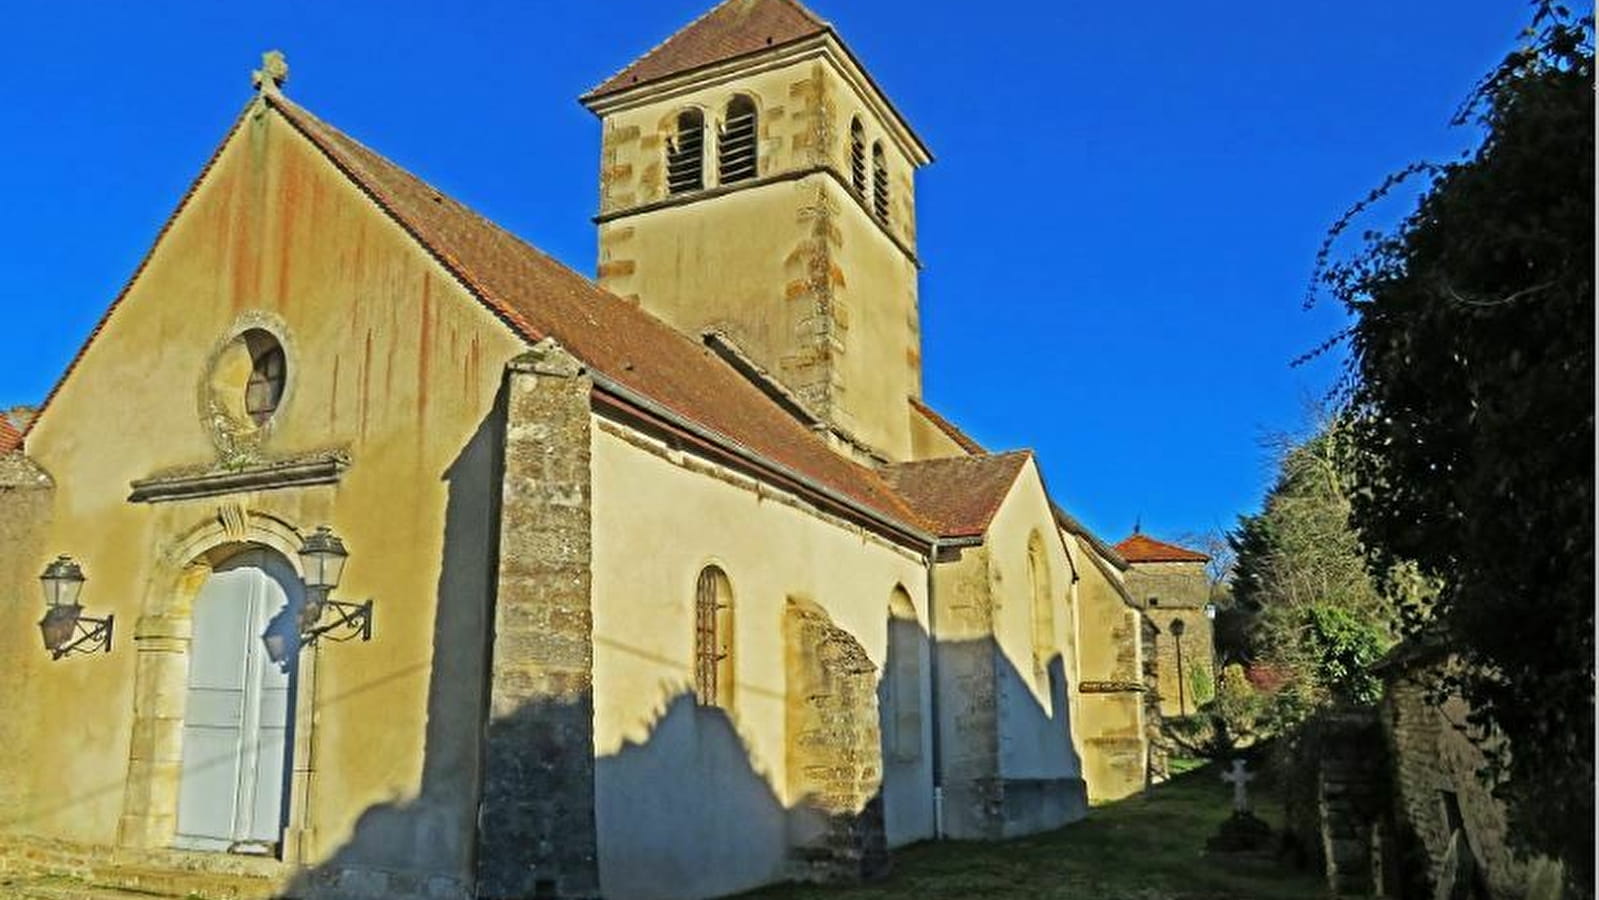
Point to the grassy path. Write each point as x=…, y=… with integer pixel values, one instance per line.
x=1148, y=847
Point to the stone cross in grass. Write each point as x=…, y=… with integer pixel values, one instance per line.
x=1239, y=778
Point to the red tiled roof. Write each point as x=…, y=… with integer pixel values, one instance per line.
x=959, y=494
x=1139, y=548
x=539, y=297
x=961, y=438
x=9, y=436
x=729, y=30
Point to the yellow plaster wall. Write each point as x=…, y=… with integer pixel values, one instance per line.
x=927, y=440
x=1037, y=748
x=388, y=359
x=659, y=518
x=1110, y=726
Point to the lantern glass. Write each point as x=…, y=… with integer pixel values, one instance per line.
x=1177, y=627
x=58, y=626
x=322, y=557
x=62, y=582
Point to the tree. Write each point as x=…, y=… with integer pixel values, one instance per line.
x=1317, y=617
x=1471, y=399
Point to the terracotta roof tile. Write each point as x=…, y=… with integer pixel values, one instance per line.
x=953, y=432
x=1139, y=548
x=729, y=30
x=959, y=494
x=539, y=297
x=10, y=437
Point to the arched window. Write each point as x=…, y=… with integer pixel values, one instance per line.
x=735, y=149
x=879, y=182
x=685, y=154
x=713, y=639
x=267, y=376
x=857, y=155
x=1043, y=606
x=903, y=737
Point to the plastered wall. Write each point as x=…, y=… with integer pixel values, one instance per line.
x=694, y=800
x=390, y=363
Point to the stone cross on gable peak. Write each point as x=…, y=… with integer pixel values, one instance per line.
x=274, y=72
x=1239, y=778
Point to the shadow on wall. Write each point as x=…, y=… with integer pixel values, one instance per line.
x=424, y=846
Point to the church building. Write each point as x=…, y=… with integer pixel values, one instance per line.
x=364, y=550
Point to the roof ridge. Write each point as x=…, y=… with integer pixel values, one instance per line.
x=609, y=85
x=570, y=293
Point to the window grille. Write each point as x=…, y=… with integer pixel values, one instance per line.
x=857, y=156
x=713, y=639
x=879, y=183
x=736, y=145
x=685, y=154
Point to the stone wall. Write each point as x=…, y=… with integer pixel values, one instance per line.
x=835, y=765
x=536, y=830
x=1439, y=801
x=25, y=506
x=1168, y=592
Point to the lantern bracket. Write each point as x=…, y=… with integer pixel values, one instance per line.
x=67, y=630
x=350, y=621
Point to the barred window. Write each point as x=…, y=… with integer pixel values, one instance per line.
x=857, y=156
x=736, y=145
x=685, y=154
x=713, y=639
x=265, y=388
x=879, y=182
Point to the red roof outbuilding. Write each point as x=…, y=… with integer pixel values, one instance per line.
x=1139, y=548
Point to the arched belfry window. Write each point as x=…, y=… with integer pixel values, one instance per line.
x=735, y=147
x=713, y=639
x=879, y=182
x=857, y=155
x=685, y=153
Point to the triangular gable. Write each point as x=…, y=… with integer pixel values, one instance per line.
x=144, y=262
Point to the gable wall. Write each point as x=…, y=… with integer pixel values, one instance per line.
x=388, y=360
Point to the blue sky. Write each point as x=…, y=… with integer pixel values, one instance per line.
x=1117, y=230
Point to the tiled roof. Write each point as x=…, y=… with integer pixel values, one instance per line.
x=959, y=494
x=539, y=297
x=951, y=431
x=1139, y=548
x=731, y=29
x=9, y=436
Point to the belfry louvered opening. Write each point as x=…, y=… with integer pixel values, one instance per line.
x=879, y=182
x=857, y=156
x=685, y=154
x=736, y=146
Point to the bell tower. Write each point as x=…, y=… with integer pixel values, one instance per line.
x=755, y=182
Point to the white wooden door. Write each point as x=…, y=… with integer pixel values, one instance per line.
x=240, y=712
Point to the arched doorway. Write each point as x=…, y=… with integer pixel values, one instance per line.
x=239, y=712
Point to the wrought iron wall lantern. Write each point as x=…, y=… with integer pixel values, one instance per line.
x=64, y=626
x=322, y=557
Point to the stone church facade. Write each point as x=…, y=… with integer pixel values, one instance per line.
x=388, y=557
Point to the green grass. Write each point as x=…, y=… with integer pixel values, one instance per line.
x=1148, y=847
